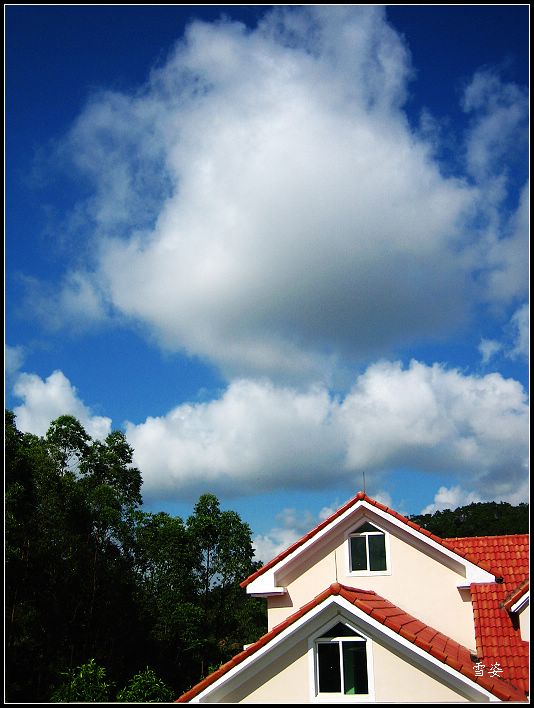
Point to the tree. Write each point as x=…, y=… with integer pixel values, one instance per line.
x=169, y=607
x=46, y=524
x=224, y=557
x=89, y=574
x=145, y=687
x=84, y=684
x=69, y=553
x=67, y=443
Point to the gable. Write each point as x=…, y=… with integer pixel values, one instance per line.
x=302, y=554
x=411, y=662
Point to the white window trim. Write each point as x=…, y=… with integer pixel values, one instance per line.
x=313, y=664
x=353, y=533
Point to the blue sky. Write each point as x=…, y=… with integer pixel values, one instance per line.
x=281, y=249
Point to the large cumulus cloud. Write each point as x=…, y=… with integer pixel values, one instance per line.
x=263, y=202
x=261, y=437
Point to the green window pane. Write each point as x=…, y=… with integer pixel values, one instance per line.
x=355, y=668
x=340, y=630
x=329, y=668
x=358, y=553
x=377, y=552
x=366, y=527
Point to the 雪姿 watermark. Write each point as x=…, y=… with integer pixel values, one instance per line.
x=494, y=670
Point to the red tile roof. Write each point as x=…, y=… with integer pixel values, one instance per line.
x=507, y=555
x=440, y=646
x=361, y=496
x=497, y=633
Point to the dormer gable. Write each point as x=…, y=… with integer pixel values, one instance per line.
x=363, y=547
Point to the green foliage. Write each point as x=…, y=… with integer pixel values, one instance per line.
x=88, y=573
x=222, y=543
x=66, y=441
x=477, y=519
x=84, y=684
x=145, y=687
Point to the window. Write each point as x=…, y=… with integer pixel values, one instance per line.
x=367, y=550
x=342, y=663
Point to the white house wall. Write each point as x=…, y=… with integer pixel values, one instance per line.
x=288, y=680
x=417, y=583
x=524, y=624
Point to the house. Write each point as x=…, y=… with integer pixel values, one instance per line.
x=370, y=607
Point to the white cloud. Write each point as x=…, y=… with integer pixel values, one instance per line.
x=500, y=116
x=428, y=417
x=488, y=348
x=260, y=437
x=496, y=143
x=14, y=359
x=451, y=499
x=256, y=437
x=384, y=498
x=521, y=333
x=515, y=343
x=45, y=400
x=506, y=256
x=269, y=545
x=77, y=305
x=291, y=525
x=263, y=203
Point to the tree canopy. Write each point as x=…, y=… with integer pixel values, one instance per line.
x=99, y=592
x=477, y=519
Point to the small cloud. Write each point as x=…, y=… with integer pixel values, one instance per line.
x=14, y=359
x=521, y=333
x=45, y=400
x=77, y=305
x=292, y=524
x=516, y=338
x=451, y=498
x=384, y=498
x=488, y=348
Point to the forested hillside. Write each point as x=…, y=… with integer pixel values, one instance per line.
x=477, y=519
x=93, y=580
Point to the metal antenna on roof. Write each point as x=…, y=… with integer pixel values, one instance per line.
x=363, y=475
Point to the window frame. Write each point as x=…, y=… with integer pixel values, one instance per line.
x=356, y=533
x=313, y=644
